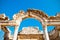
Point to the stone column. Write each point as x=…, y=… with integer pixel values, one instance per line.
x=7, y=32
x=6, y=36
x=16, y=33
x=16, y=28
x=58, y=28
x=46, y=33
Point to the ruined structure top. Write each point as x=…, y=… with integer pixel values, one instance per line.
x=31, y=13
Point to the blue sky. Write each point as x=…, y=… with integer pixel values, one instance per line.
x=11, y=7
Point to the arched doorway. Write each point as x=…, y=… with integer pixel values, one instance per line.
x=39, y=15
x=30, y=26
x=30, y=22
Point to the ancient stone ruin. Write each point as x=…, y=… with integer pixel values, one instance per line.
x=31, y=33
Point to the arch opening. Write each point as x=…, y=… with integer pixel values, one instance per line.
x=31, y=22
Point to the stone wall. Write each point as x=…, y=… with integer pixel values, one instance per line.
x=30, y=36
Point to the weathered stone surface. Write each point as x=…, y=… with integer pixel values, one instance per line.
x=31, y=13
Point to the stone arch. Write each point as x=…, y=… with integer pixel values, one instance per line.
x=35, y=23
x=36, y=14
x=39, y=15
